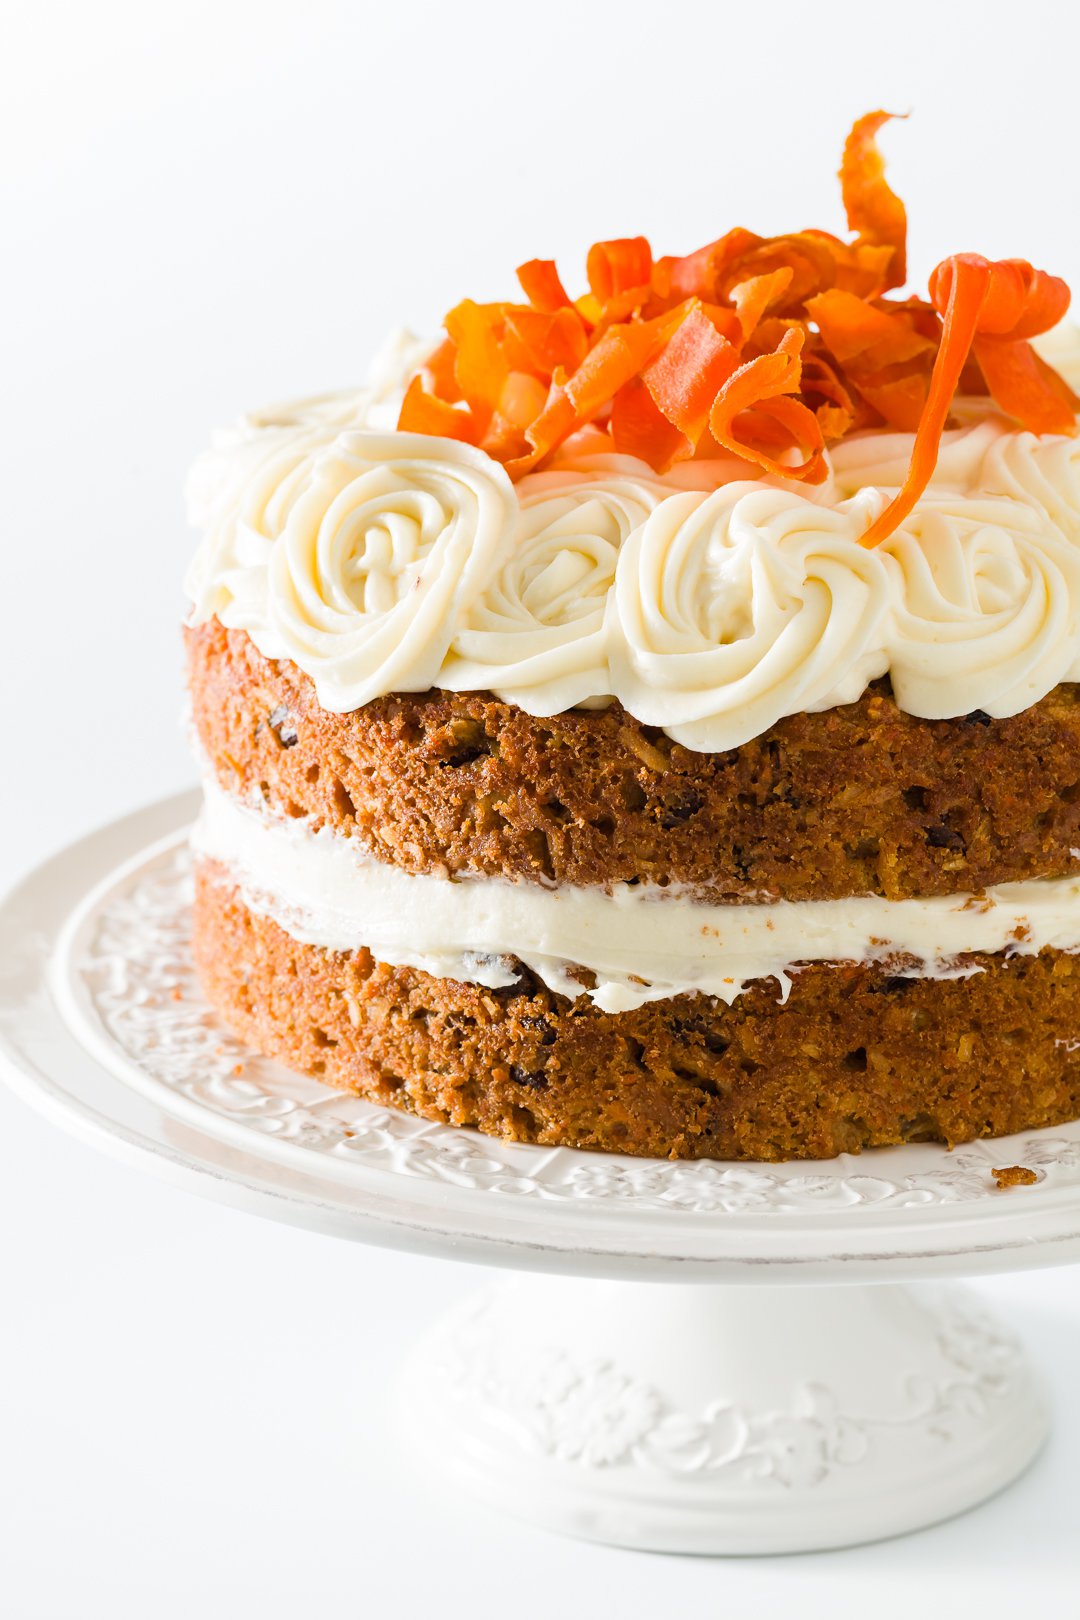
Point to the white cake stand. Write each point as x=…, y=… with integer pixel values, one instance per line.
x=706, y=1417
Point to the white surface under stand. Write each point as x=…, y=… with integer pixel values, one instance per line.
x=826, y=1405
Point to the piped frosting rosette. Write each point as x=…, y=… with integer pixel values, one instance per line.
x=1060, y=348
x=733, y=609
x=537, y=636
x=984, y=572
x=1043, y=473
x=379, y=558
x=987, y=456
x=986, y=607
x=240, y=492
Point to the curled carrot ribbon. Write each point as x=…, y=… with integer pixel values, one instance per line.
x=989, y=310
x=764, y=348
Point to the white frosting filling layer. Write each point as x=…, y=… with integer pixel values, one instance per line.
x=708, y=603
x=640, y=943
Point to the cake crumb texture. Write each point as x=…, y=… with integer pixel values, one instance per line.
x=862, y=799
x=1015, y=1175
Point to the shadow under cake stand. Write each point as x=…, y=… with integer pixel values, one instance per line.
x=791, y=1392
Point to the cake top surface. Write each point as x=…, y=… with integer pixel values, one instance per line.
x=721, y=488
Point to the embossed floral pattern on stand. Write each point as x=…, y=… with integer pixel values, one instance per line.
x=594, y=1414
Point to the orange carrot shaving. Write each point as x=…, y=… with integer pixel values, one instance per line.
x=547, y=431
x=683, y=381
x=622, y=352
x=1022, y=383
x=750, y=407
x=752, y=298
x=963, y=295
x=873, y=208
x=522, y=399
x=618, y=267
x=422, y=412
x=640, y=428
x=1020, y=301
x=540, y=342
x=438, y=370
x=836, y=409
x=766, y=348
x=883, y=355
x=976, y=296
x=858, y=333
x=480, y=365
x=810, y=257
x=699, y=274
x=541, y=285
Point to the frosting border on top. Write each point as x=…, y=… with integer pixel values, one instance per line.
x=709, y=604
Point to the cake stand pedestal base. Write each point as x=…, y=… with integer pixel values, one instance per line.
x=706, y=1419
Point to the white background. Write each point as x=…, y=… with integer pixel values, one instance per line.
x=213, y=204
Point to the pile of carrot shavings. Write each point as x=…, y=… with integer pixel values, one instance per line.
x=768, y=349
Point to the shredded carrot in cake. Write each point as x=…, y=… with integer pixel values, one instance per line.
x=768, y=349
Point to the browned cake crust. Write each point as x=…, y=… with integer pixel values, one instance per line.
x=861, y=799
x=856, y=1058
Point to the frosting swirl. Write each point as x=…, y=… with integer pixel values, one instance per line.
x=709, y=605
x=389, y=543
x=240, y=490
x=986, y=609
x=736, y=608
x=537, y=637
x=1041, y=474
x=1060, y=348
x=985, y=572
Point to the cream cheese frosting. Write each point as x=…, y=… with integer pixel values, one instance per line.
x=538, y=634
x=708, y=604
x=635, y=943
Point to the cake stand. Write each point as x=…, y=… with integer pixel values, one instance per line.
x=791, y=1391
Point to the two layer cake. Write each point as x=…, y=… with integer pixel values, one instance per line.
x=645, y=721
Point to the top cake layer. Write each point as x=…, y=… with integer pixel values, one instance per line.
x=722, y=489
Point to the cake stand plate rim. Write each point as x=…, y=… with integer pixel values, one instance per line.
x=55, y=1071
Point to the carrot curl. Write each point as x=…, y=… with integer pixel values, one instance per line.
x=765, y=348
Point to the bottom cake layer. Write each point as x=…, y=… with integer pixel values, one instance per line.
x=856, y=1057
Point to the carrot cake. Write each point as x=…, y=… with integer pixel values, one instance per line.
x=647, y=721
